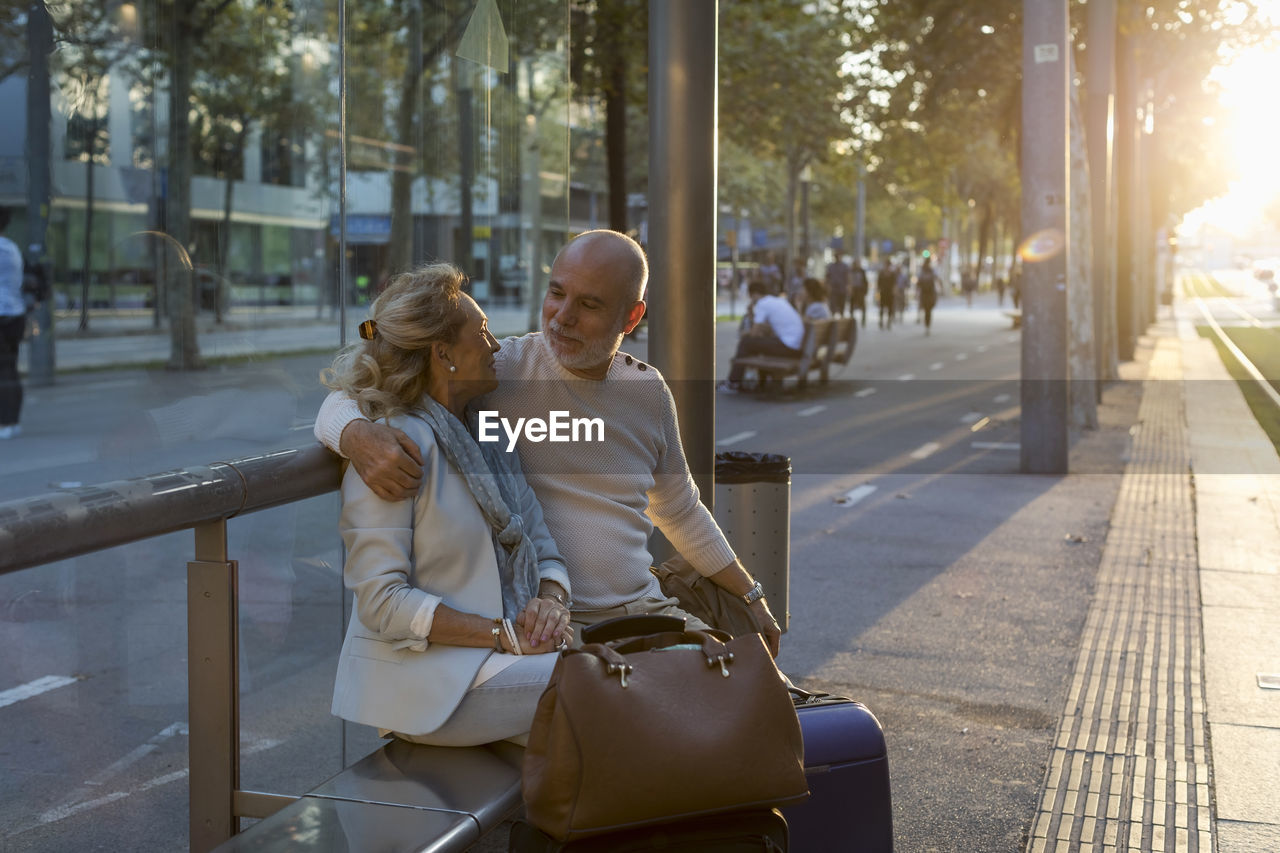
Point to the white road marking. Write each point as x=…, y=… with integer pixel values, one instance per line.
x=926, y=450
x=734, y=439
x=995, y=445
x=865, y=392
x=962, y=356
x=1001, y=398
x=135, y=754
x=983, y=348
x=852, y=496
x=34, y=688
x=971, y=417
x=1013, y=339
x=809, y=412
x=906, y=377
x=70, y=808
x=937, y=365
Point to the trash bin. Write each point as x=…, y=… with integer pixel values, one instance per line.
x=753, y=508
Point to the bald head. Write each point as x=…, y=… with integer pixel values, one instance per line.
x=618, y=260
x=595, y=296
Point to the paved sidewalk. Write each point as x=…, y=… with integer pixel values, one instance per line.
x=1167, y=740
x=129, y=338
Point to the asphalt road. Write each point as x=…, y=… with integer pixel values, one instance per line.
x=928, y=580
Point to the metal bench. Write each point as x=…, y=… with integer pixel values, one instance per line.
x=815, y=354
x=402, y=797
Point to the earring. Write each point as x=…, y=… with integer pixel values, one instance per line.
x=453, y=368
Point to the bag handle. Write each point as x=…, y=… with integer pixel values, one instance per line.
x=715, y=651
x=636, y=625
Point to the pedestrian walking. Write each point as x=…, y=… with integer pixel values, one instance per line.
x=927, y=292
x=1001, y=286
x=886, y=292
x=1015, y=286
x=901, y=286
x=838, y=278
x=13, y=324
x=969, y=284
x=858, y=291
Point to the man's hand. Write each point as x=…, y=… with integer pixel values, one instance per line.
x=387, y=460
x=542, y=624
x=769, y=627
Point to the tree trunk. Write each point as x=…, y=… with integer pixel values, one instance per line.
x=400, y=248
x=86, y=268
x=531, y=202
x=184, y=351
x=464, y=250
x=984, y=236
x=793, y=180
x=224, y=245
x=615, y=110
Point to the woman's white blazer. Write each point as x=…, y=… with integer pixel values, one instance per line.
x=398, y=552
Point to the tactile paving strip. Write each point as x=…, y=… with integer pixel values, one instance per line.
x=1129, y=768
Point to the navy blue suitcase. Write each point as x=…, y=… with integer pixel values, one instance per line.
x=848, y=772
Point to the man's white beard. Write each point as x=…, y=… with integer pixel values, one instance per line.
x=591, y=354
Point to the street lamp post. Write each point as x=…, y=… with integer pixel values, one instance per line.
x=806, y=178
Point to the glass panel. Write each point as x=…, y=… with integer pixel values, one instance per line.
x=195, y=258
x=94, y=676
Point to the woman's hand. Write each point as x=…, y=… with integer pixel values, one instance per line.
x=543, y=624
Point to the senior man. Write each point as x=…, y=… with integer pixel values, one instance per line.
x=601, y=494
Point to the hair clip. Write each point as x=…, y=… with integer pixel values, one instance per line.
x=368, y=330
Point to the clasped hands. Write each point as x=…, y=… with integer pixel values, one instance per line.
x=543, y=626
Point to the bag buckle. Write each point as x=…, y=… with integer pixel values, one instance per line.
x=622, y=670
x=724, y=660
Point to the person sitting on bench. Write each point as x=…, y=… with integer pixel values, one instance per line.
x=460, y=593
x=777, y=329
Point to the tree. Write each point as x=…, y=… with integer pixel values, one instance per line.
x=91, y=45
x=782, y=91
x=251, y=86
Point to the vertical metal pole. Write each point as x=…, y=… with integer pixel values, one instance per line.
x=1045, y=196
x=40, y=355
x=682, y=217
x=213, y=708
x=1126, y=130
x=804, y=225
x=1101, y=80
x=343, y=271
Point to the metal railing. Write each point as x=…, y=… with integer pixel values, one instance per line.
x=77, y=521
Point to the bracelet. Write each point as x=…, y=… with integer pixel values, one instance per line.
x=497, y=635
x=754, y=594
x=511, y=637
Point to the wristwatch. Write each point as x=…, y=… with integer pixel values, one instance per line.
x=560, y=599
x=754, y=594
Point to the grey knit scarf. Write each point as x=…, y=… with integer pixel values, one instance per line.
x=492, y=475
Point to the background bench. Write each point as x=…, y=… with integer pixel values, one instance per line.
x=815, y=354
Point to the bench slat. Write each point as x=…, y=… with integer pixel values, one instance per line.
x=344, y=826
x=482, y=781
x=402, y=797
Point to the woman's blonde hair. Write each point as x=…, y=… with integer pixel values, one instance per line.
x=389, y=374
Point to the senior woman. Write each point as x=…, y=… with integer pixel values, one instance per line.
x=460, y=593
